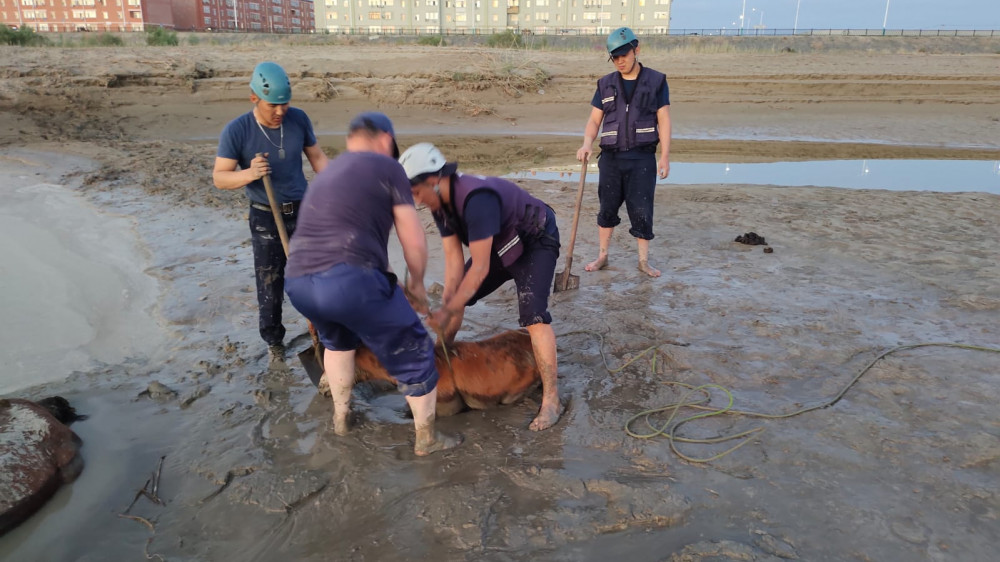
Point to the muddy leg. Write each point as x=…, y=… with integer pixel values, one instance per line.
x=428, y=439
x=604, y=234
x=340, y=376
x=644, y=258
x=543, y=342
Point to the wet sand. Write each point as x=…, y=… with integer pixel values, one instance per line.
x=903, y=467
x=75, y=291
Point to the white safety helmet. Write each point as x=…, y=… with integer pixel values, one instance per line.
x=422, y=158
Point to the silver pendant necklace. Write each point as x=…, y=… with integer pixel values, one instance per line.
x=280, y=147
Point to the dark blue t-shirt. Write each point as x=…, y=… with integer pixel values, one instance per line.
x=242, y=139
x=347, y=214
x=482, y=216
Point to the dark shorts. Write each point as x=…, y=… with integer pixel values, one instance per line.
x=350, y=305
x=532, y=273
x=629, y=179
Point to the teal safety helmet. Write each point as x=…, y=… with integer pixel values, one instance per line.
x=621, y=37
x=271, y=84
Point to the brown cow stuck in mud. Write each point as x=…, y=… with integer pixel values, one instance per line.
x=474, y=375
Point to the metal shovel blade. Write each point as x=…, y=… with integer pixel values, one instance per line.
x=313, y=363
x=566, y=281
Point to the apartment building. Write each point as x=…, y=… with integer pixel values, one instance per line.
x=271, y=16
x=586, y=17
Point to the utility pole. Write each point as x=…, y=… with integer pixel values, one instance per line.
x=743, y=16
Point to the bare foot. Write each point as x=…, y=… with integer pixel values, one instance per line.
x=600, y=263
x=546, y=418
x=441, y=442
x=340, y=425
x=648, y=269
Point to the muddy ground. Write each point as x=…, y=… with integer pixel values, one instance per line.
x=903, y=467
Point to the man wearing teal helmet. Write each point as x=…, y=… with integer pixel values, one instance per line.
x=631, y=112
x=281, y=134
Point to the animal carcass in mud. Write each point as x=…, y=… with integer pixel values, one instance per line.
x=477, y=375
x=38, y=453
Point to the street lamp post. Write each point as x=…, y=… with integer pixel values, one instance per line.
x=795, y=25
x=743, y=15
x=886, y=18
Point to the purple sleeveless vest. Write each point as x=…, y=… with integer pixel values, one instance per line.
x=520, y=213
x=628, y=125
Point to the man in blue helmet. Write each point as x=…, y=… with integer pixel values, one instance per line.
x=631, y=109
x=281, y=134
x=339, y=275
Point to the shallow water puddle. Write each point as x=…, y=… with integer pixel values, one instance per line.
x=893, y=175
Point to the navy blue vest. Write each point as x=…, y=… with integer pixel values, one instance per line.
x=521, y=215
x=630, y=124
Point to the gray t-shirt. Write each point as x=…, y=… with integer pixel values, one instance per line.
x=347, y=214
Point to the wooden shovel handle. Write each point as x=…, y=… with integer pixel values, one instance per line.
x=576, y=217
x=275, y=210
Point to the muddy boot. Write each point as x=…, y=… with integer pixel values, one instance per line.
x=276, y=356
x=340, y=376
x=429, y=440
x=341, y=408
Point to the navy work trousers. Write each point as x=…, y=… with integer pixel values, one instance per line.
x=631, y=180
x=269, y=270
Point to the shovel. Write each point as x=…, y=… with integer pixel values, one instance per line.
x=566, y=281
x=311, y=358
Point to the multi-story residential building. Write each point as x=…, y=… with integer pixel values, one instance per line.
x=276, y=16
x=585, y=17
x=491, y=16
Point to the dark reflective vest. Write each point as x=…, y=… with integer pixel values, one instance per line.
x=521, y=215
x=630, y=124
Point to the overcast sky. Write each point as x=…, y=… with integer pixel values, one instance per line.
x=837, y=14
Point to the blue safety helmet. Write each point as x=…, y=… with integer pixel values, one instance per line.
x=622, y=38
x=271, y=84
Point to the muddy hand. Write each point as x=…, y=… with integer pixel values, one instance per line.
x=664, y=168
x=416, y=294
x=438, y=320
x=260, y=166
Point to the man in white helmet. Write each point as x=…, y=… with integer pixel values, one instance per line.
x=282, y=134
x=510, y=235
x=631, y=109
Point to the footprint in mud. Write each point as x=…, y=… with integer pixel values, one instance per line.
x=909, y=530
x=729, y=550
